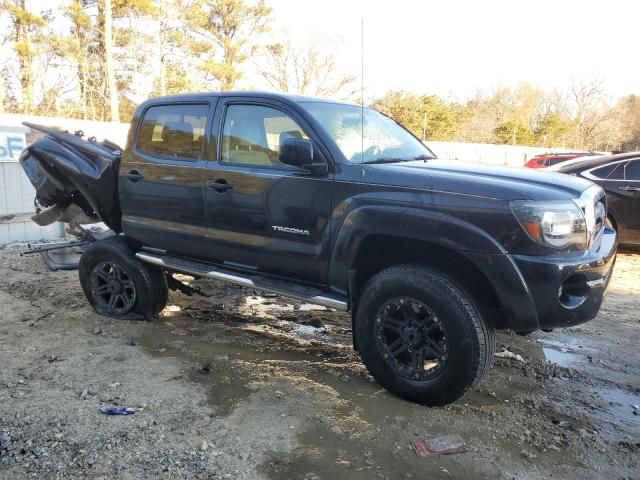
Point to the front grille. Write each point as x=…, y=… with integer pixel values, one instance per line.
x=598, y=228
x=593, y=203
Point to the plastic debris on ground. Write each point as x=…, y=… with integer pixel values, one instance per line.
x=507, y=354
x=445, y=445
x=5, y=439
x=118, y=410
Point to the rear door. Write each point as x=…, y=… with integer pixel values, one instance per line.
x=621, y=182
x=161, y=177
x=261, y=214
x=629, y=202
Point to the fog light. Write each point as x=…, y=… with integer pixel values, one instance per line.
x=573, y=292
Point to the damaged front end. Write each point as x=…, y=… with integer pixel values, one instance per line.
x=76, y=180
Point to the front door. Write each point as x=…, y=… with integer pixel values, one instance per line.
x=261, y=214
x=161, y=178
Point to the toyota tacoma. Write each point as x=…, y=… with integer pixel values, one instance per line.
x=338, y=205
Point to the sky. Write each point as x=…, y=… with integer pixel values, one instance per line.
x=455, y=47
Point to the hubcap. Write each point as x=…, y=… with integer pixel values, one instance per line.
x=411, y=338
x=112, y=288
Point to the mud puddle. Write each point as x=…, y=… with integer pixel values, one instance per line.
x=612, y=409
x=608, y=406
x=581, y=354
x=327, y=446
x=227, y=369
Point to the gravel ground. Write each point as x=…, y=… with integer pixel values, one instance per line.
x=244, y=385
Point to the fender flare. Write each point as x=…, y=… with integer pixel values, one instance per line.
x=443, y=230
x=404, y=222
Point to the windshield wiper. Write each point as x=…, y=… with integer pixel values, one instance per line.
x=397, y=159
x=386, y=160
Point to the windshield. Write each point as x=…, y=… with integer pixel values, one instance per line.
x=384, y=140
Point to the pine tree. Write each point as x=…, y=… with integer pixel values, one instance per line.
x=229, y=33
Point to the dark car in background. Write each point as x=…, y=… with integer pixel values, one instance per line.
x=549, y=159
x=619, y=176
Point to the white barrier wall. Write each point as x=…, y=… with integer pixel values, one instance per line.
x=16, y=207
x=116, y=132
x=16, y=192
x=507, y=155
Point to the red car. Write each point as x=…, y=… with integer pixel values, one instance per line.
x=547, y=159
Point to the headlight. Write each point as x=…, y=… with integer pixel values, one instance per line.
x=557, y=224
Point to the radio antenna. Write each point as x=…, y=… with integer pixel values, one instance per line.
x=362, y=94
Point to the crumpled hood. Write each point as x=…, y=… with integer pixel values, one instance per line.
x=504, y=183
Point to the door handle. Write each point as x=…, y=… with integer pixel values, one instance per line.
x=133, y=176
x=219, y=185
x=629, y=188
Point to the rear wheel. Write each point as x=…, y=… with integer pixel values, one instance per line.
x=119, y=285
x=421, y=336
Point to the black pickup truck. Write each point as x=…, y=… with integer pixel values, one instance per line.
x=340, y=206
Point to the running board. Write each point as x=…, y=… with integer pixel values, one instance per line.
x=281, y=287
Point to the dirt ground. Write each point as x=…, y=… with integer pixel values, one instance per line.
x=243, y=385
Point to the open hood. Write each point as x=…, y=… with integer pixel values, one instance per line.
x=76, y=180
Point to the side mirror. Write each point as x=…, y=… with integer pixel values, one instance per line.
x=299, y=153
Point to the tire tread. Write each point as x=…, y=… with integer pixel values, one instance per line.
x=483, y=328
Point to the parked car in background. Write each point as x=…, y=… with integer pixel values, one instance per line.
x=549, y=159
x=619, y=175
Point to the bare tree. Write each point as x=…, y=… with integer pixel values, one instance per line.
x=587, y=105
x=108, y=61
x=307, y=70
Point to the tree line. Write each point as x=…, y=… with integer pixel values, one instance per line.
x=97, y=59
x=580, y=117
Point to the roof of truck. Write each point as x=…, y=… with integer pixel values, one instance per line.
x=276, y=96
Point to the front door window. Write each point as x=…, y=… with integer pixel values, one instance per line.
x=252, y=135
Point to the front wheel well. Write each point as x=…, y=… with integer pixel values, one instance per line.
x=378, y=252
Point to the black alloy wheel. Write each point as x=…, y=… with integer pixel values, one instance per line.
x=113, y=288
x=411, y=338
x=421, y=335
x=119, y=285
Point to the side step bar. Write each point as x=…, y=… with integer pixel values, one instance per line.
x=281, y=287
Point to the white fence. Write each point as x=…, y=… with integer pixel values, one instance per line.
x=16, y=192
x=507, y=155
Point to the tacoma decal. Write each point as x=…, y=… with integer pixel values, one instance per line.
x=297, y=231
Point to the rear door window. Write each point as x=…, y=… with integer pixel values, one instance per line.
x=173, y=131
x=632, y=172
x=613, y=171
x=555, y=161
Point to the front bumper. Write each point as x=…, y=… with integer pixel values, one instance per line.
x=568, y=289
